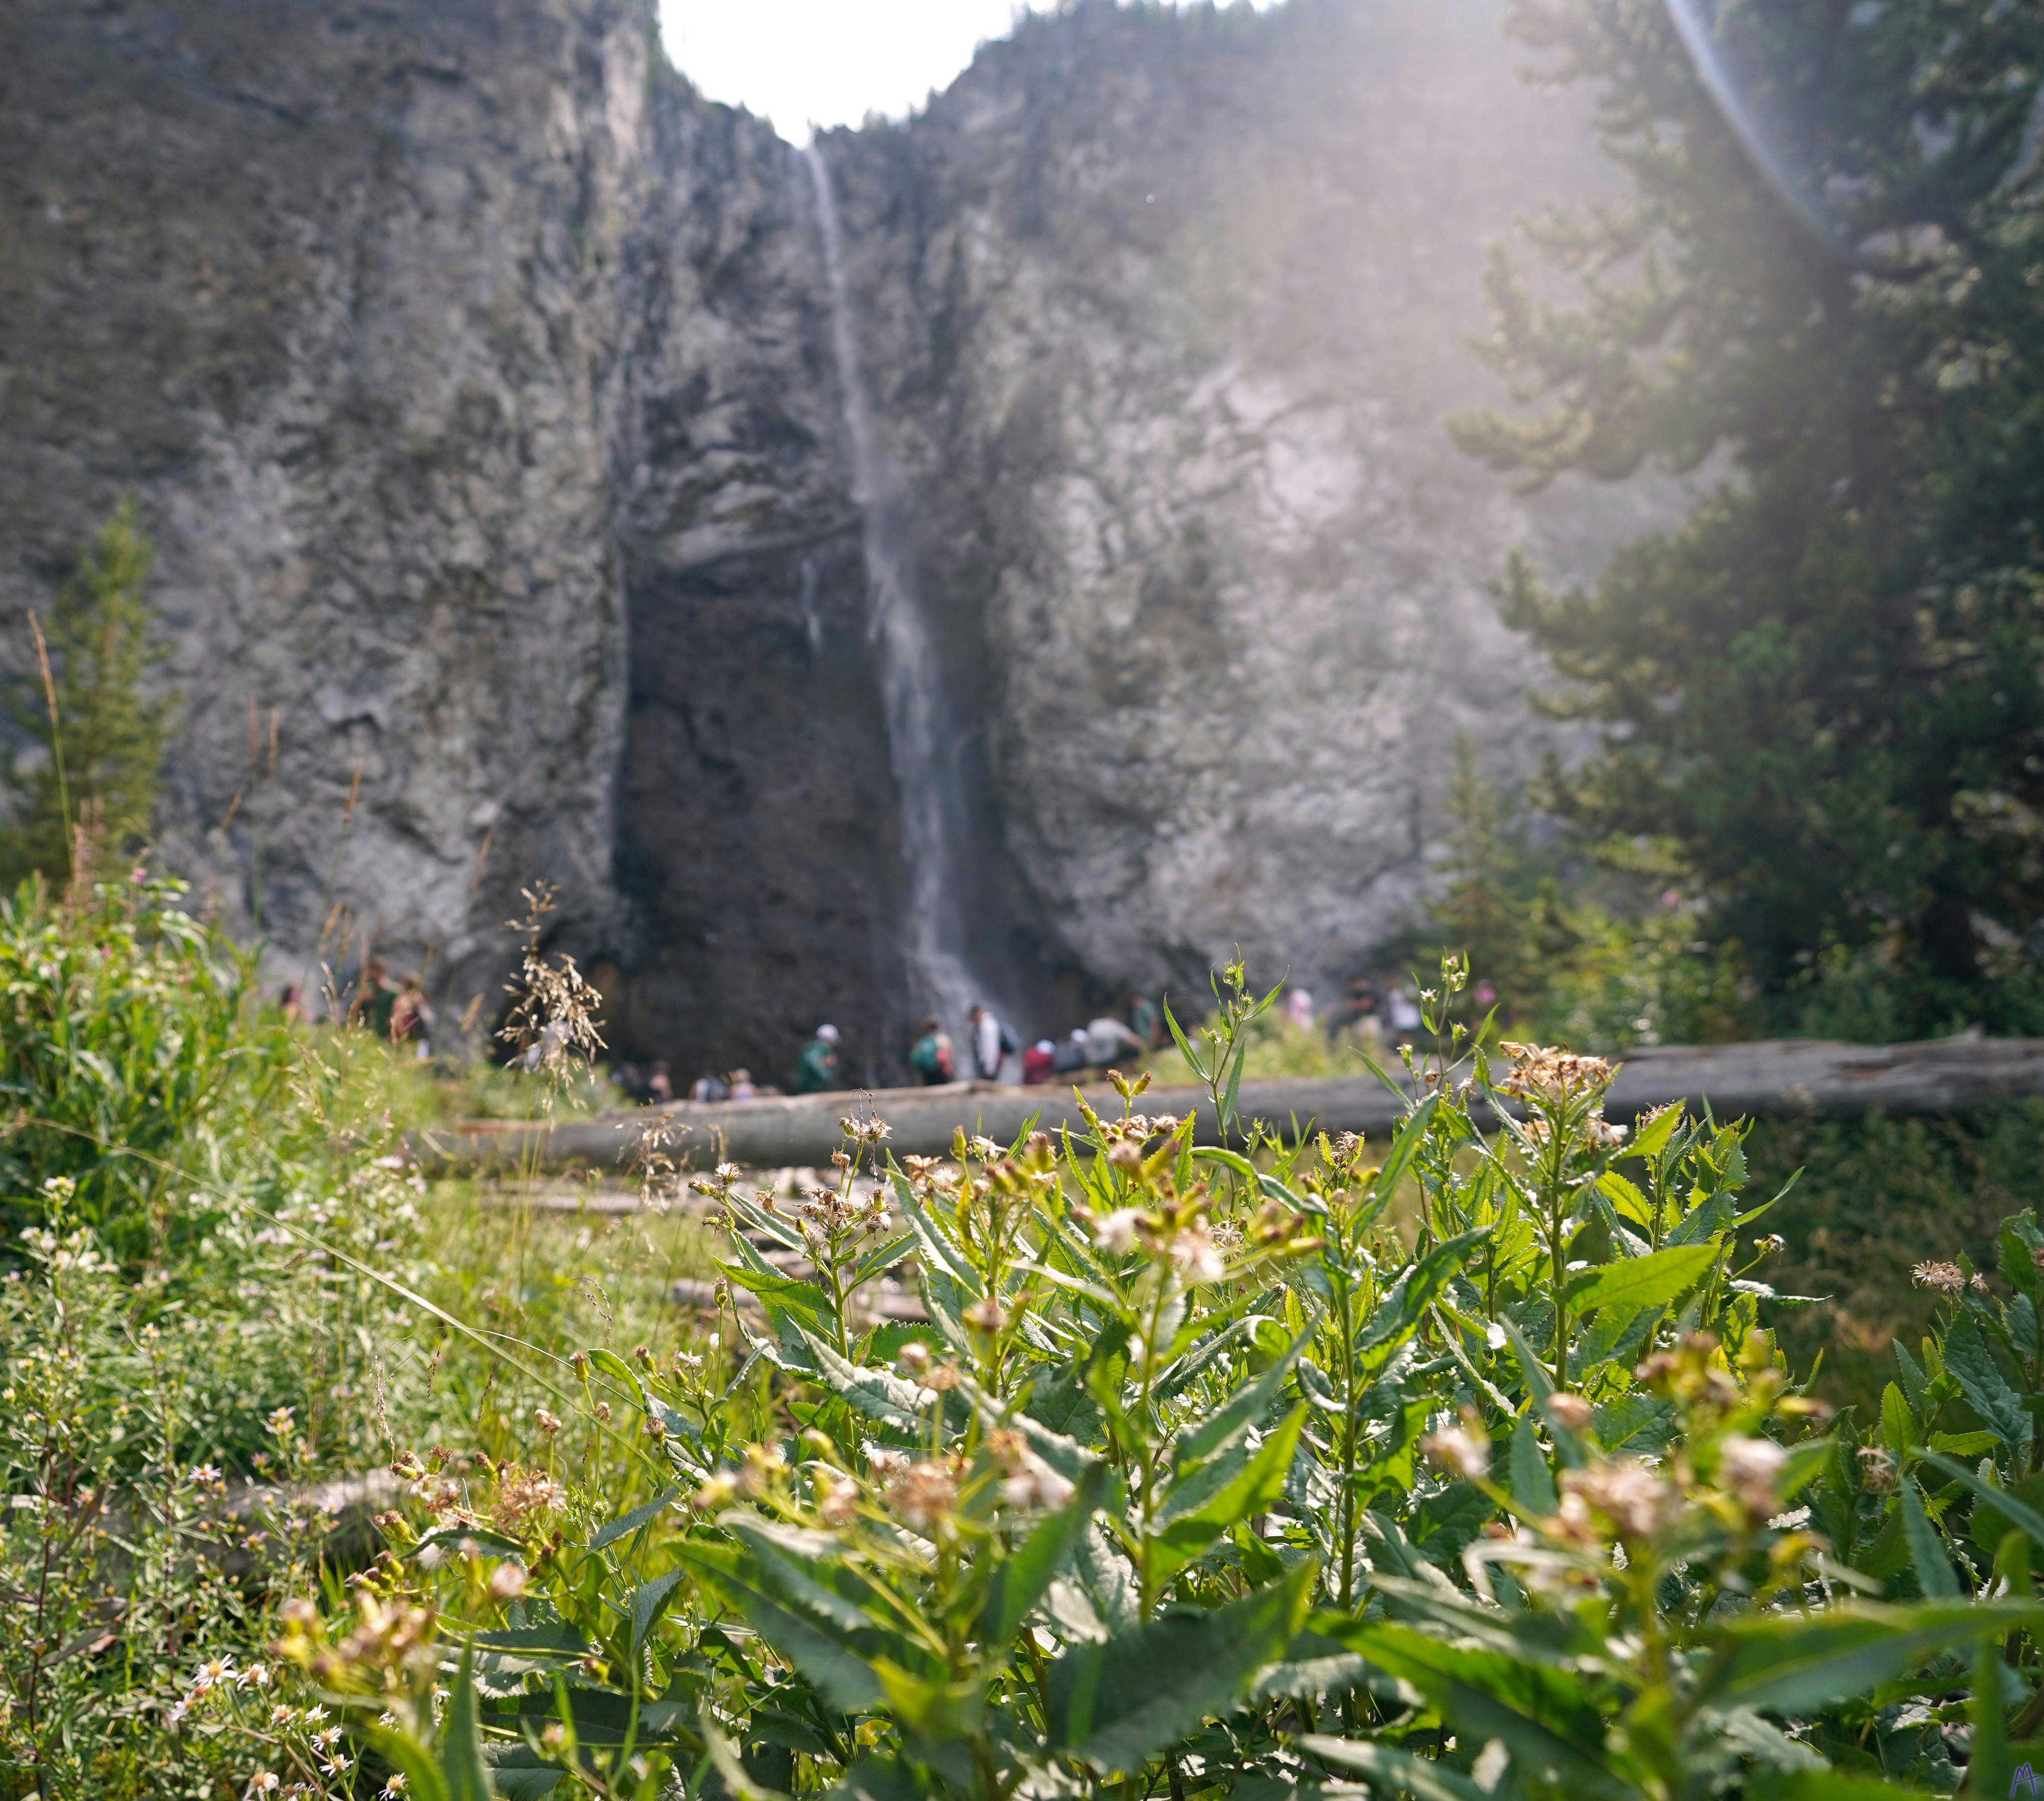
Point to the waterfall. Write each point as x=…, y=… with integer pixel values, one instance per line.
x=921, y=739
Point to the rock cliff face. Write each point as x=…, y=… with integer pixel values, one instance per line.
x=1167, y=311
x=478, y=382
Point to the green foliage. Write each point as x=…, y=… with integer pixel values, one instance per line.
x=1188, y=1485
x=123, y=1049
x=1824, y=687
x=101, y=740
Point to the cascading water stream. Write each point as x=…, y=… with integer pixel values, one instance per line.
x=920, y=735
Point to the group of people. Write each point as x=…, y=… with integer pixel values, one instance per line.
x=396, y=1011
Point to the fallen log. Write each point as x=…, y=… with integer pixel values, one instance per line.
x=1765, y=1078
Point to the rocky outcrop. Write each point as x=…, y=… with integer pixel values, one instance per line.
x=477, y=381
x=1167, y=309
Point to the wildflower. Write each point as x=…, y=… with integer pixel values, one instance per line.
x=914, y=1358
x=1750, y=1467
x=720, y=1491
x=603, y=1413
x=1465, y=1449
x=925, y=1494
x=1773, y=1244
x=1197, y=1257
x=1977, y=1283
x=986, y=1315
x=1038, y=1486
x=886, y=1462
x=946, y=1376
x=1877, y=1469
x=523, y=1496
x=326, y=1738
x=838, y=1506
x=1115, y=1233
x=1946, y=1278
x=1569, y=1410
x=507, y=1582
x=396, y=1784
x=763, y=1463
x=263, y=1782
x=211, y=1674
x=1636, y=1501
x=1603, y=1132
x=545, y=1421
x=281, y=1423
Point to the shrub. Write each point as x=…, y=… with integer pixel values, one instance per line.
x=1205, y=1477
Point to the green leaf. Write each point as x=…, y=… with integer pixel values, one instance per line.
x=724, y=1758
x=1926, y=1550
x=626, y=1524
x=1993, y=1769
x=1626, y=1199
x=649, y=1601
x=460, y=1745
x=1405, y=1147
x=1181, y=1538
x=1020, y=1582
x=1912, y=1377
x=1791, y=1663
x=1244, y=1407
x=1394, y=1772
x=1971, y=1361
x=2020, y=1515
x=1117, y=1703
x=1825, y=1785
x=1542, y=1713
x=837, y=1662
x=880, y=1259
x=1532, y=1481
x=1185, y=1051
x=802, y=1302
x=1653, y=1281
x=1654, y=1136
x=877, y=1395
x=1898, y=1427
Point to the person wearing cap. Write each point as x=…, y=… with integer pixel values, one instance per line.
x=816, y=1069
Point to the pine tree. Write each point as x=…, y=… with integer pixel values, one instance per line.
x=1829, y=272
x=100, y=739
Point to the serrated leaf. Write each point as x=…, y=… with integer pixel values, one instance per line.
x=626, y=1524
x=1244, y=1407
x=1652, y=1137
x=649, y=1601
x=1020, y=1582
x=1971, y=1362
x=1393, y=1771
x=1532, y=1481
x=1654, y=1281
x=1117, y=1703
x=1926, y=1550
x=1795, y=1663
x=1898, y=1428
x=1181, y=1537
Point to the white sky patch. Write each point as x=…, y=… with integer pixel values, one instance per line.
x=805, y=63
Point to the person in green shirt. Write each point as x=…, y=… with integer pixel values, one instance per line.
x=931, y=1057
x=375, y=999
x=816, y=1069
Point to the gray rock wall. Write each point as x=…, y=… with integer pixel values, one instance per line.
x=474, y=377
x=1169, y=309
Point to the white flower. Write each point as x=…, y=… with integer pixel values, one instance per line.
x=1039, y=1486
x=1115, y=1233
x=1750, y=1467
x=1198, y=1257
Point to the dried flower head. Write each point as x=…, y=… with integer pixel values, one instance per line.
x=1570, y=1410
x=1751, y=1469
x=1942, y=1278
x=925, y=1494
x=1637, y=1502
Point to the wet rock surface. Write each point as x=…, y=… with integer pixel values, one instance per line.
x=474, y=378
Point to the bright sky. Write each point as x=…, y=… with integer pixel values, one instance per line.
x=800, y=63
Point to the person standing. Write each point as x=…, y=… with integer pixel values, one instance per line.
x=930, y=1057
x=993, y=1043
x=1145, y=1020
x=818, y=1070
